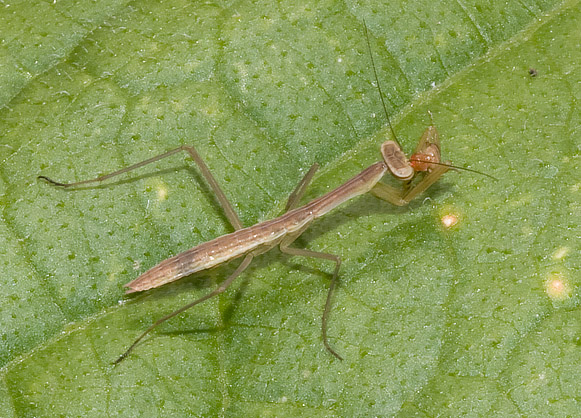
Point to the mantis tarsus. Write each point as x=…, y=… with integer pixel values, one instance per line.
x=285, y=229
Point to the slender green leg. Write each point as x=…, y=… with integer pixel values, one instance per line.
x=400, y=197
x=388, y=193
x=426, y=182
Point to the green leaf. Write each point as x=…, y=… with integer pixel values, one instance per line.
x=480, y=319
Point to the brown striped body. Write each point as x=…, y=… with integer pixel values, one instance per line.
x=258, y=238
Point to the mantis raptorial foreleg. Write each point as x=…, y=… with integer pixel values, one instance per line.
x=425, y=161
x=401, y=197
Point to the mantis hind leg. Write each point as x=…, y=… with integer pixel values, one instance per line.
x=241, y=267
x=224, y=202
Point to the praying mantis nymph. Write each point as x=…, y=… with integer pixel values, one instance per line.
x=282, y=231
